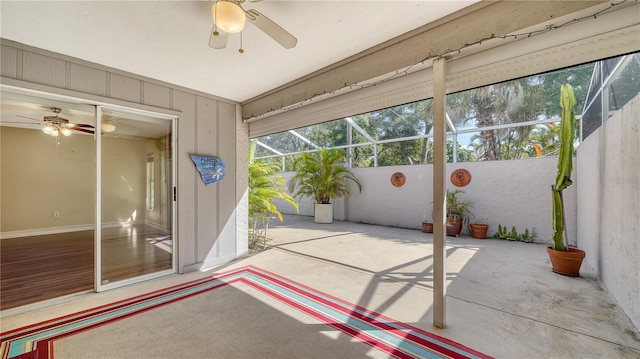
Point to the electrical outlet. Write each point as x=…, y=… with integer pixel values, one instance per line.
x=56, y=214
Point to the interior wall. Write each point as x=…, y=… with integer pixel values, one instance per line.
x=206, y=215
x=40, y=177
x=123, y=180
x=158, y=147
x=608, y=166
x=510, y=193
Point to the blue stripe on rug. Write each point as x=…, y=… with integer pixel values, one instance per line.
x=397, y=339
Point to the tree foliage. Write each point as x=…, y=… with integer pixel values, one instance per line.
x=484, y=109
x=265, y=186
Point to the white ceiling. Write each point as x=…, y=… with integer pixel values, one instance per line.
x=167, y=40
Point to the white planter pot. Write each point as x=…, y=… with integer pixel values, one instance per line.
x=324, y=213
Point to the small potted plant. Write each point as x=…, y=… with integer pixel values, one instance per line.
x=479, y=228
x=322, y=176
x=427, y=223
x=457, y=212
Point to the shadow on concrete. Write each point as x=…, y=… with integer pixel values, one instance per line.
x=506, y=290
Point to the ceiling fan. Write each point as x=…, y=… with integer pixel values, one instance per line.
x=229, y=18
x=56, y=125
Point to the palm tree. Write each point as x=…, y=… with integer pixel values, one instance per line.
x=322, y=176
x=488, y=106
x=265, y=186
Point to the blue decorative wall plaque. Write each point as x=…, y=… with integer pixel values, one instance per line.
x=211, y=168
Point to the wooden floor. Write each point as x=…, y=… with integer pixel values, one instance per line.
x=37, y=268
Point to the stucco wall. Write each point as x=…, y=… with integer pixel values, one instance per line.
x=609, y=205
x=207, y=216
x=511, y=193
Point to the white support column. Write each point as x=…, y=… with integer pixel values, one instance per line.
x=349, y=142
x=439, y=198
x=242, y=183
x=97, y=240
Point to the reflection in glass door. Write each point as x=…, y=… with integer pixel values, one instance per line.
x=135, y=211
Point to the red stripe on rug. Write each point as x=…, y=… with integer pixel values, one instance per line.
x=398, y=332
x=330, y=322
x=136, y=312
x=420, y=342
x=105, y=308
x=44, y=346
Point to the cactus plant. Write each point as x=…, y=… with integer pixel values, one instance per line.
x=564, y=260
x=565, y=166
x=513, y=235
x=501, y=233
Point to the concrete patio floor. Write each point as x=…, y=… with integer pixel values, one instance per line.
x=502, y=298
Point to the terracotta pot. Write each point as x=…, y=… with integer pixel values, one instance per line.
x=566, y=262
x=478, y=230
x=427, y=227
x=454, y=227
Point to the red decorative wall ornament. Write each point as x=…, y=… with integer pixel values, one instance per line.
x=398, y=179
x=460, y=177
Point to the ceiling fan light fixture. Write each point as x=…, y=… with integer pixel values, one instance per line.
x=65, y=131
x=228, y=16
x=50, y=130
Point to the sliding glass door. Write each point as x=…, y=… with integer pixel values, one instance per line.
x=135, y=198
x=86, y=195
x=47, y=201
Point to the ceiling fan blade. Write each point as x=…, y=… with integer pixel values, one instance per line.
x=218, y=41
x=77, y=125
x=28, y=118
x=83, y=130
x=19, y=123
x=272, y=29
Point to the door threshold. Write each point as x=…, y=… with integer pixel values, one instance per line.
x=45, y=304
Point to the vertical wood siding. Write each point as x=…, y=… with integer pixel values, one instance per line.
x=207, y=126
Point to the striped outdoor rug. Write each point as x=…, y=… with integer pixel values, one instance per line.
x=385, y=334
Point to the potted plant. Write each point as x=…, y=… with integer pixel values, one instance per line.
x=457, y=212
x=322, y=176
x=564, y=259
x=479, y=228
x=427, y=223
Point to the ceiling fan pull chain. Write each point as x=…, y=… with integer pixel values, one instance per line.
x=241, y=50
x=215, y=21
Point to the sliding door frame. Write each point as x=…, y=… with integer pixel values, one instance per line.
x=98, y=280
x=72, y=97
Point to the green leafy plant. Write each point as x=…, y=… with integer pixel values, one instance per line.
x=322, y=176
x=565, y=166
x=265, y=187
x=456, y=207
x=526, y=237
x=513, y=235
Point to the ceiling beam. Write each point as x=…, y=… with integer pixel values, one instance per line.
x=466, y=26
